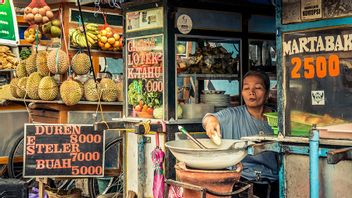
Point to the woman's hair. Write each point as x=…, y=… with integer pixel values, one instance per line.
x=261, y=75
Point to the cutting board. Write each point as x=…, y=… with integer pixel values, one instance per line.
x=340, y=131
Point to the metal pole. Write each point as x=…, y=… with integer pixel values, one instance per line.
x=85, y=35
x=314, y=163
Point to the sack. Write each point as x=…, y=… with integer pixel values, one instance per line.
x=109, y=39
x=38, y=12
x=31, y=34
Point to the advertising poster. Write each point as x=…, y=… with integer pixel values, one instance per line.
x=144, y=19
x=311, y=9
x=144, y=71
x=337, y=8
x=291, y=11
x=9, y=31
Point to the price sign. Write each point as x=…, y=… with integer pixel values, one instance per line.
x=317, y=54
x=63, y=151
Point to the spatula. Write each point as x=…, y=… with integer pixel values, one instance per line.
x=197, y=142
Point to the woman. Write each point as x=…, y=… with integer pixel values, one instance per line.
x=248, y=120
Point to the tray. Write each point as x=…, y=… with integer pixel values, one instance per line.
x=340, y=131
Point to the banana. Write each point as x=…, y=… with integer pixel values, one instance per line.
x=91, y=35
x=82, y=41
x=90, y=40
x=91, y=27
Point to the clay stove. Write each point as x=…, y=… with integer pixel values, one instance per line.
x=216, y=180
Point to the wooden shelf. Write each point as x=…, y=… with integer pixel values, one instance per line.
x=61, y=102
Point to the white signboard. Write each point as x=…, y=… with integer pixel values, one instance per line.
x=311, y=9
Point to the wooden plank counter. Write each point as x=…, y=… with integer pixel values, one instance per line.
x=57, y=112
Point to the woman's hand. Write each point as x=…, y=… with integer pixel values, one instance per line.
x=212, y=126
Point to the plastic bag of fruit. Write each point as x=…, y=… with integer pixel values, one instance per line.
x=108, y=39
x=38, y=12
x=52, y=28
x=31, y=34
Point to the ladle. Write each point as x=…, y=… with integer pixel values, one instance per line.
x=197, y=142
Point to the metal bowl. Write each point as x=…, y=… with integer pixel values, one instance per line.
x=229, y=153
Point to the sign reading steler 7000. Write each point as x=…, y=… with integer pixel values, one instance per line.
x=63, y=151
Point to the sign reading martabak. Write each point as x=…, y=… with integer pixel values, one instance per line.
x=63, y=151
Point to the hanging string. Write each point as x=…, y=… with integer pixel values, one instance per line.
x=27, y=108
x=36, y=38
x=62, y=36
x=85, y=35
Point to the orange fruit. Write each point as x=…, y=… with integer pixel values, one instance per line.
x=111, y=40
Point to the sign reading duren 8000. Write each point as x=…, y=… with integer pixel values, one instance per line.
x=63, y=151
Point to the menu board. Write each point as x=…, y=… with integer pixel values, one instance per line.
x=63, y=151
x=144, y=71
x=9, y=31
x=317, y=67
x=144, y=19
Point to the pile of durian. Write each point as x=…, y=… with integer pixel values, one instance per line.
x=37, y=78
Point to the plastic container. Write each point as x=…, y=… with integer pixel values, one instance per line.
x=272, y=119
x=297, y=129
x=192, y=111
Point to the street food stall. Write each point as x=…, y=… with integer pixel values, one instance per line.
x=313, y=124
x=175, y=53
x=72, y=49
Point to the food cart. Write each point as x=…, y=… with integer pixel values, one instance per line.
x=314, y=107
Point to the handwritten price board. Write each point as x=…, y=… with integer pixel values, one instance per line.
x=63, y=151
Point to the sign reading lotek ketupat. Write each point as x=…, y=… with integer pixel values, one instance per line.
x=63, y=151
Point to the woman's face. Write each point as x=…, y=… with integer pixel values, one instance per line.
x=253, y=91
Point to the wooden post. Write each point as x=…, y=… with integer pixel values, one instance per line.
x=42, y=182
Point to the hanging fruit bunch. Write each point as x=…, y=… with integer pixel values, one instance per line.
x=78, y=38
x=52, y=28
x=38, y=12
x=108, y=39
x=31, y=33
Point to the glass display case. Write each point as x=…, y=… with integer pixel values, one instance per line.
x=318, y=82
x=262, y=53
x=208, y=73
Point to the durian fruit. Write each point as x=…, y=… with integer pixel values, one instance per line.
x=21, y=69
x=13, y=87
x=108, y=90
x=82, y=88
x=48, y=88
x=41, y=62
x=71, y=92
x=91, y=90
x=32, y=85
x=81, y=64
x=57, y=61
x=31, y=63
x=21, y=87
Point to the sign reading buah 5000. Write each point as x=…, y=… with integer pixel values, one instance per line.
x=63, y=150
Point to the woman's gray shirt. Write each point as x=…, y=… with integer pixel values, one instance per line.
x=236, y=122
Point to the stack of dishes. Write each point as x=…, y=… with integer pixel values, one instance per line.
x=216, y=98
